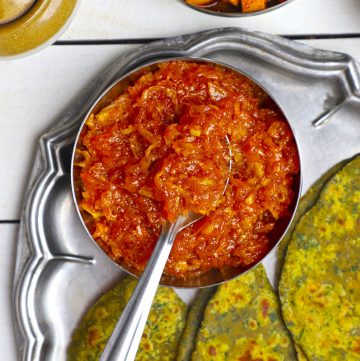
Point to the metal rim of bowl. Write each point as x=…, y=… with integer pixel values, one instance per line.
x=166, y=280
x=235, y=14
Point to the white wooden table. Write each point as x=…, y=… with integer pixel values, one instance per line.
x=34, y=90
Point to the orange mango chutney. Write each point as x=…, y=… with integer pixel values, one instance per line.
x=159, y=150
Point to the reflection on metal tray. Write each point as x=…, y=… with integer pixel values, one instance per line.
x=59, y=273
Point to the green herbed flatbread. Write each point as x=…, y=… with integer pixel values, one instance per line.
x=320, y=281
x=306, y=202
x=161, y=336
x=193, y=322
x=242, y=321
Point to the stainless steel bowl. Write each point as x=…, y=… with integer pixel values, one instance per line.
x=212, y=277
x=210, y=10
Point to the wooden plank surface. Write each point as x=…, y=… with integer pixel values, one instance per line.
x=8, y=233
x=124, y=19
x=36, y=89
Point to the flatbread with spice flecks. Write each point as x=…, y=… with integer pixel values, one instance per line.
x=162, y=332
x=320, y=281
x=242, y=322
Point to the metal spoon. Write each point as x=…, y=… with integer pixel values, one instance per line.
x=124, y=341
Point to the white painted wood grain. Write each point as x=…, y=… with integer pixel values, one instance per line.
x=36, y=89
x=347, y=46
x=33, y=91
x=8, y=234
x=122, y=19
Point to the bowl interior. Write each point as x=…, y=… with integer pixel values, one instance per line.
x=214, y=276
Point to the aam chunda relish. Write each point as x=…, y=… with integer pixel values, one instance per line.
x=158, y=150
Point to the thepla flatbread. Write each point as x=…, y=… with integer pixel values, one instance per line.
x=320, y=281
x=242, y=321
x=161, y=336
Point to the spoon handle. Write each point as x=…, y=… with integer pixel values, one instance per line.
x=125, y=339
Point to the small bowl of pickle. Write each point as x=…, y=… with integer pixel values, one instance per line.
x=236, y=8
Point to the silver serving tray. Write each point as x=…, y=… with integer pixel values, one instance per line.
x=60, y=273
